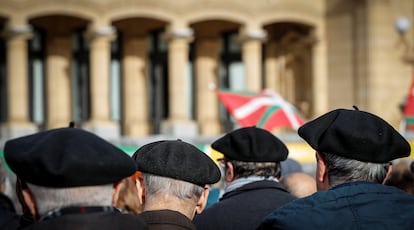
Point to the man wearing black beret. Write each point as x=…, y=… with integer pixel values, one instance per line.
x=70, y=179
x=252, y=168
x=354, y=151
x=174, y=184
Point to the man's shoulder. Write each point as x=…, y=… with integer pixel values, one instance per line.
x=102, y=220
x=344, y=201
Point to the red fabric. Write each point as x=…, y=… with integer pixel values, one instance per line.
x=264, y=110
x=409, y=108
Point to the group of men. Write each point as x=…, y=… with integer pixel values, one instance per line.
x=69, y=178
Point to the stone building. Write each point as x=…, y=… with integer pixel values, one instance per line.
x=138, y=68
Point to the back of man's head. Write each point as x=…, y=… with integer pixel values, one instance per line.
x=252, y=151
x=67, y=167
x=175, y=174
x=354, y=145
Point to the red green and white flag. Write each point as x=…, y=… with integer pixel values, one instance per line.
x=409, y=108
x=267, y=109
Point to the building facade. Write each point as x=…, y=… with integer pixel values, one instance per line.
x=137, y=68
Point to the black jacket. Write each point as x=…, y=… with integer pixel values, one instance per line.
x=245, y=207
x=166, y=219
x=91, y=221
x=8, y=217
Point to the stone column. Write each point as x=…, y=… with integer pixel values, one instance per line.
x=385, y=87
x=100, y=54
x=252, y=57
x=135, y=90
x=178, y=123
x=206, y=67
x=320, y=75
x=271, y=66
x=58, y=79
x=17, y=123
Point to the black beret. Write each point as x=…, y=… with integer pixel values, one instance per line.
x=67, y=157
x=355, y=135
x=178, y=160
x=251, y=144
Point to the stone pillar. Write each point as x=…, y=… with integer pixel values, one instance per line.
x=320, y=75
x=252, y=57
x=17, y=123
x=207, y=65
x=385, y=87
x=100, y=54
x=135, y=90
x=178, y=123
x=271, y=66
x=58, y=79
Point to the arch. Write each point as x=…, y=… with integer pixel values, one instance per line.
x=291, y=17
x=214, y=14
x=150, y=13
x=302, y=12
x=72, y=10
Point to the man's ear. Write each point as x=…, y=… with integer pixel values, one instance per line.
x=322, y=181
x=118, y=186
x=229, y=172
x=30, y=202
x=388, y=173
x=140, y=191
x=202, y=202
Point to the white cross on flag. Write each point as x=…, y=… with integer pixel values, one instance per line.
x=267, y=109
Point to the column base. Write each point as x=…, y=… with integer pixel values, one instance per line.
x=107, y=130
x=210, y=128
x=13, y=130
x=136, y=129
x=179, y=128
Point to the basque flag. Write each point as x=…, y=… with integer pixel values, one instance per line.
x=267, y=109
x=409, y=108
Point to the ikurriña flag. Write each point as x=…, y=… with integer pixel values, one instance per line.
x=266, y=109
x=409, y=108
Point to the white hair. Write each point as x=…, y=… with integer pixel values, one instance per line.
x=157, y=185
x=341, y=170
x=48, y=199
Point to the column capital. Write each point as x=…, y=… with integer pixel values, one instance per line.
x=179, y=33
x=24, y=31
x=252, y=35
x=101, y=32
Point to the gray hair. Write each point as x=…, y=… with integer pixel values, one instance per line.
x=341, y=170
x=158, y=185
x=262, y=169
x=48, y=199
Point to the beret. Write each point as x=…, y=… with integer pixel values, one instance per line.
x=251, y=144
x=355, y=134
x=178, y=160
x=67, y=157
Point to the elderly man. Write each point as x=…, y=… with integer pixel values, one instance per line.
x=70, y=179
x=174, y=184
x=252, y=169
x=354, y=150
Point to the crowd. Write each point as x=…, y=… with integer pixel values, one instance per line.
x=69, y=178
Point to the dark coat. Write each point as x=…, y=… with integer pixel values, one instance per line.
x=356, y=205
x=91, y=221
x=8, y=216
x=166, y=220
x=245, y=207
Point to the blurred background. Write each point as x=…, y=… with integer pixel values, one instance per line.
x=135, y=71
